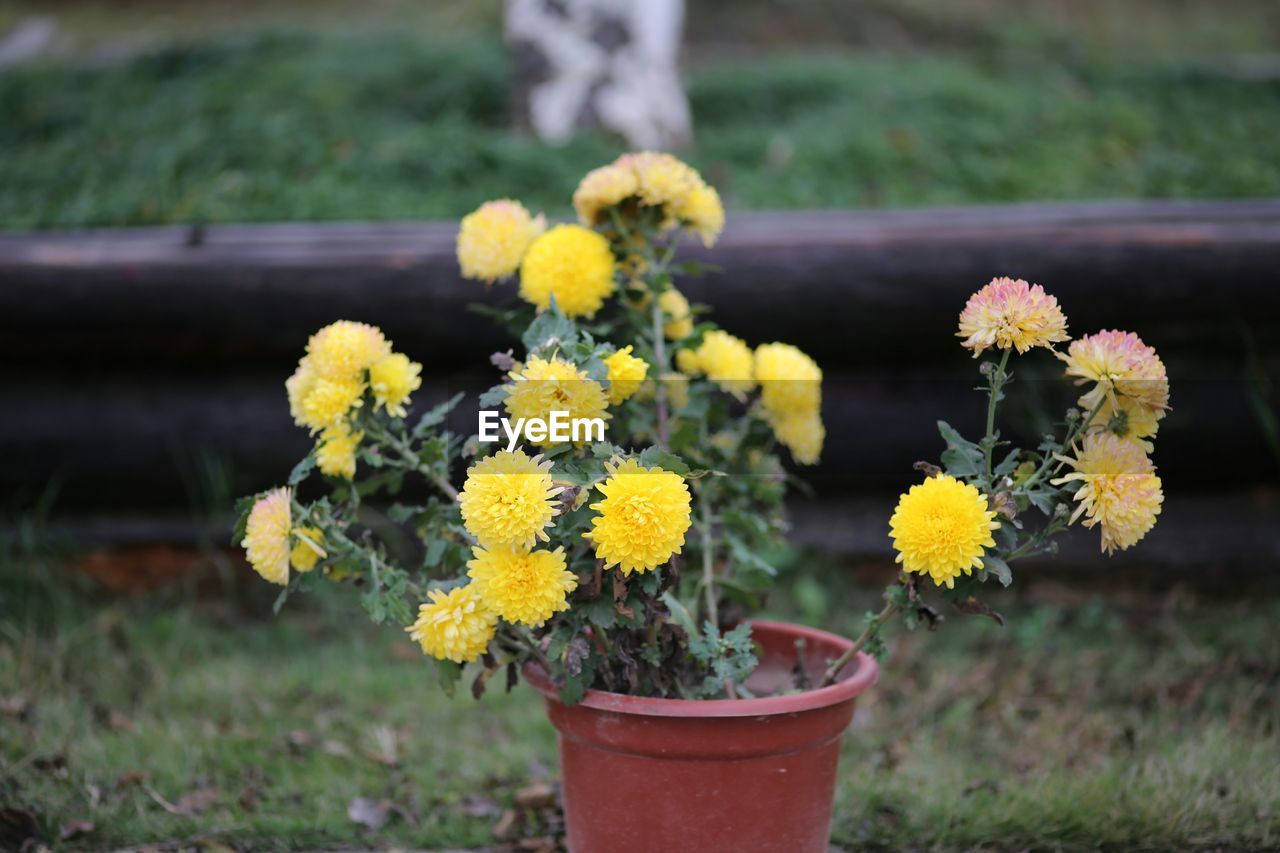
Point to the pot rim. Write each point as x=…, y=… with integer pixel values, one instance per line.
x=844, y=690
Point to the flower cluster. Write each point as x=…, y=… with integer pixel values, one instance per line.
x=653, y=181
x=345, y=362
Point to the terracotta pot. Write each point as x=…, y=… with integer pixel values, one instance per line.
x=747, y=775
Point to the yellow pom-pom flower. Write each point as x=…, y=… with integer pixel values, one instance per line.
x=643, y=518
x=509, y=500
x=520, y=585
x=266, y=535
x=299, y=387
x=1121, y=366
x=1119, y=489
x=543, y=386
x=724, y=359
x=702, y=211
x=307, y=550
x=393, y=379
x=802, y=434
x=336, y=452
x=329, y=402
x=941, y=528
x=680, y=319
x=790, y=381
x=602, y=189
x=493, y=239
x=343, y=350
x=574, y=265
x=1011, y=313
x=664, y=180
x=626, y=374
x=455, y=625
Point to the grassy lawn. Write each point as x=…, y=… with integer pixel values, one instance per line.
x=316, y=125
x=1121, y=719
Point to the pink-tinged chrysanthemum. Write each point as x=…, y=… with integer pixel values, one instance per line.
x=266, y=535
x=1122, y=366
x=1119, y=489
x=1011, y=313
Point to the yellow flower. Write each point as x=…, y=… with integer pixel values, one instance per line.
x=790, y=381
x=724, y=359
x=574, y=265
x=393, y=379
x=626, y=374
x=1119, y=489
x=508, y=499
x=266, y=536
x=601, y=189
x=307, y=550
x=343, y=350
x=522, y=586
x=299, y=386
x=940, y=529
x=329, y=402
x=493, y=239
x=544, y=386
x=702, y=211
x=1011, y=313
x=336, y=453
x=676, y=307
x=455, y=625
x=664, y=181
x=642, y=519
x=802, y=434
x=1123, y=367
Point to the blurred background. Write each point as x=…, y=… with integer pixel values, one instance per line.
x=188, y=190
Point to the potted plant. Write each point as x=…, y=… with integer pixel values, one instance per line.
x=625, y=477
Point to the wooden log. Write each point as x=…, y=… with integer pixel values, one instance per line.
x=1189, y=274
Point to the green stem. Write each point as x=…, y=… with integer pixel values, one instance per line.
x=1071, y=436
x=989, y=442
x=660, y=356
x=839, y=663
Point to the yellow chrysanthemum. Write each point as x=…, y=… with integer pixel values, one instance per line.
x=1119, y=489
x=393, y=379
x=724, y=359
x=1011, y=313
x=544, y=386
x=790, y=381
x=454, y=625
x=307, y=550
x=664, y=180
x=493, y=239
x=802, y=434
x=520, y=585
x=642, y=519
x=574, y=265
x=676, y=308
x=343, y=350
x=601, y=189
x=336, y=452
x=941, y=528
x=299, y=386
x=702, y=211
x=1122, y=366
x=329, y=402
x=266, y=535
x=626, y=374
x=508, y=499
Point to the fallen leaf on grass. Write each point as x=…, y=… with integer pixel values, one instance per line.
x=536, y=796
x=128, y=780
x=337, y=749
x=188, y=804
x=385, y=746
x=76, y=828
x=504, y=826
x=543, y=844
x=476, y=805
x=15, y=706
x=370, y=813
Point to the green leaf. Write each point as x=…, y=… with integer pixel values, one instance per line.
x=999, y=568
x=494, y=397
x=962, y=458
x=657, y=457
x=436, y=415
x=242, y=508
x=449, y=674
x=680, y=614
x=435, y=550
x=550, y=327
x=302, y=469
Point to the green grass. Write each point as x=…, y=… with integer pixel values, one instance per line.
x=377, y=126
x=1124, y=720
